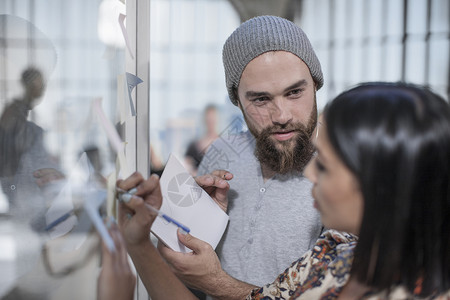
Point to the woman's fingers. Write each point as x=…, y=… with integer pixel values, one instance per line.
x=132, y=181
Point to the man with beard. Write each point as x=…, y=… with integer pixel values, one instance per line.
x=272, y=75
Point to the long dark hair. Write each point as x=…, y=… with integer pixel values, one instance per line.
x=395, y=138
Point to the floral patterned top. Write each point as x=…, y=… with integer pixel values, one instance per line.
x=322, y=273
x=319, y=274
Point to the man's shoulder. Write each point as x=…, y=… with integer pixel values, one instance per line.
x=234, y=141
x=226, y=151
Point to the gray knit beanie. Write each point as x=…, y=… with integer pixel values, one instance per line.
x=262, y=34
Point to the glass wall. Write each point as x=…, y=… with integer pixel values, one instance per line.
x=61, y=62
x=56, y=57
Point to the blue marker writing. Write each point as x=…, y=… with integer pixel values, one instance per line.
x=59, y=220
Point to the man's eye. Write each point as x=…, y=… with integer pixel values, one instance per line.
x=295, y=92
x=260, y=100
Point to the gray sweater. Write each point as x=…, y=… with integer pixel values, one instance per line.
x=271, y=224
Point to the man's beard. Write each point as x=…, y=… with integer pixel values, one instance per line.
x=285, y=156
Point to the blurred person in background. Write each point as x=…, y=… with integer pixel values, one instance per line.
x=197, y=148
x=25, y=164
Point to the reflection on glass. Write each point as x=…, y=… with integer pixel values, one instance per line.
x=49, y=74
x=25, y=164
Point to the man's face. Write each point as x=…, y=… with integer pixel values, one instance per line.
x=277, y=98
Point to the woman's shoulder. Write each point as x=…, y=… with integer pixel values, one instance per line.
x=323, y=270
x=338, y=236
x=334, y=241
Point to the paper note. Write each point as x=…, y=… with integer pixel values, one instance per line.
x=132, y=81
x=185, y=201
x=125, y=33
x=112, y=135
x=121, y=104
x=111, y=194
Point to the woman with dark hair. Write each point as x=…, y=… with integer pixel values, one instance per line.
x=381, y=172
x=394, y=139
x=401, y=154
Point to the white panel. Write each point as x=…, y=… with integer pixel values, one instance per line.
x=373, y=62
x=375, y=15
x=306, y=19
x=7, y=6
x=417, y=16
x=439, y=62
x=394, y=17
x=21, y=8
x=142, y=90
x=415, y=62
x=130, y=124
x=356, y=19
x=440, y=15
x=354, y=64
x=322, y=54
x=315, y=20
x=339, y=64
x=393, y=62
x=340, y=27
x=183, y=23
x=159, y=30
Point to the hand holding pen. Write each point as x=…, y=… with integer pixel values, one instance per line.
x=125, y=196
x=141, y=200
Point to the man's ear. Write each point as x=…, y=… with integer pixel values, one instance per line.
x=236, y=96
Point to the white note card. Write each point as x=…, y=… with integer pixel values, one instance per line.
x=185, y=201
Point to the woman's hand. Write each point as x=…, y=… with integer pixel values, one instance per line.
x=135, y=213
x=116, y=279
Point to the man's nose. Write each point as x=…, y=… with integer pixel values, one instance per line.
x=280, y=112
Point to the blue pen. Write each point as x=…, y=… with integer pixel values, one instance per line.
x=171, y=220
x=125, y=196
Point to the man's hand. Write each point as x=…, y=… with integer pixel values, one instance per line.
x=201, y=269
x=217, y=186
